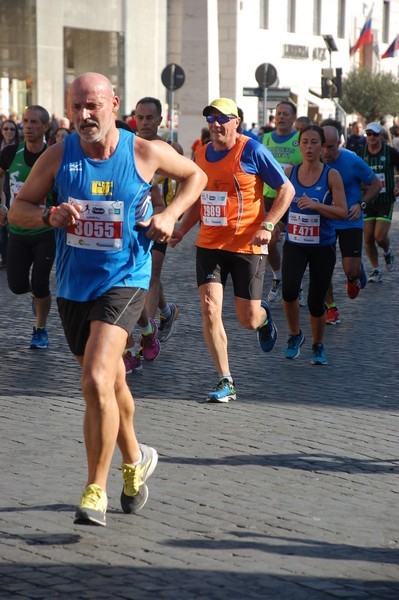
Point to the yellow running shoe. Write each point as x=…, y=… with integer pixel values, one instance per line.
x=135, y=493
x=93, y=506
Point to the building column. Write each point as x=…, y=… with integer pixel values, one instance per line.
x=200, y=61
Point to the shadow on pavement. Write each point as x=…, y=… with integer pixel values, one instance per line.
x=89, y=580
x=315, y=462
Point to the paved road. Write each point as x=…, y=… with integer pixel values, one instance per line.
x=291, y=492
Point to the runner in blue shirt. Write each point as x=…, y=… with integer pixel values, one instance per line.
x=355, y=173
x=105, y=226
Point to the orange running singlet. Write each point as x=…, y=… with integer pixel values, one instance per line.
x=232, y=207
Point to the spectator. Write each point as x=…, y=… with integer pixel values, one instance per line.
x=61, y=134
x=357, y=140
x=9, y=135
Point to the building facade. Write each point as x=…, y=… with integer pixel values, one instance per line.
x=220, y=44
x=44, y=45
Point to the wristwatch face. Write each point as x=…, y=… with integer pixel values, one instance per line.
x=363, y=205
x=46, y=215
x=268, y=226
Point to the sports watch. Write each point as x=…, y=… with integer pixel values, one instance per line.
x=46, y=215
x=363, y=205
x=268, y=226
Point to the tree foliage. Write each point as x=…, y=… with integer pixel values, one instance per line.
x=371, y=95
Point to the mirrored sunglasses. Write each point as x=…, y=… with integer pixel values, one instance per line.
x=221, y=119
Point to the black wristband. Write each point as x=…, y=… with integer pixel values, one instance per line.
x=47, y=214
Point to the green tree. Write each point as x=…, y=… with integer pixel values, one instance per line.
x=371, y=95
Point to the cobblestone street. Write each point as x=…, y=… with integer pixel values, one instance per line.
x=290, y=492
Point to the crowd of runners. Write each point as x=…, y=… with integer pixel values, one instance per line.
x=106, y=203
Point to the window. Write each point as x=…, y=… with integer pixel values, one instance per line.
x=341, y=18
x=291, y=16
x=93, y=50
x=385, y=22
x=316, y=17
x=264, y=14
x=18, y=55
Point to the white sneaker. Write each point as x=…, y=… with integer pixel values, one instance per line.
x=389, y=262
x=375, y=277
x=275, y=292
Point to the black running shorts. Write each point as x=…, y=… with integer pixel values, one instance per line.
x=379, y=212
x=246, y=270
x=350, y=242
x=119, y=306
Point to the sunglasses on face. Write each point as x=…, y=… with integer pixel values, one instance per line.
x=9, y=129
x=369, y=133
x=221, y=119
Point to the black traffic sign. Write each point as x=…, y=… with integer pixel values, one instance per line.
x=278, y=94
x=253, y=91
x=173, y=77
x=266, y=75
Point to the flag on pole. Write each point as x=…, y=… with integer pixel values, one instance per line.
x=365, y=37
x=392, y=50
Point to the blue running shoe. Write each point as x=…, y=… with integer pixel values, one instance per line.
x=318, y=355
x=363, y=277
x=39, y=338
x=223, y=392
x=294, y=343
x=267, y=334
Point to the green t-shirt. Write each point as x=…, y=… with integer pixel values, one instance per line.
x=285, y=149
x=18, y=173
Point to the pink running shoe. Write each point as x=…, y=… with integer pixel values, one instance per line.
x=132, y=363
x=150, y=344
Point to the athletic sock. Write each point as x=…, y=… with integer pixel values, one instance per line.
x=148, y=329
x=134, y=464
x=277, y=275
x=165, y=311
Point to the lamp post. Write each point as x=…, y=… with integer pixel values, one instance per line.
x=336, y=73
x=331, y=45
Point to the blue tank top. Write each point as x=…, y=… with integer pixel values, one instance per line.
x=105, y=248
x=308, y=227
